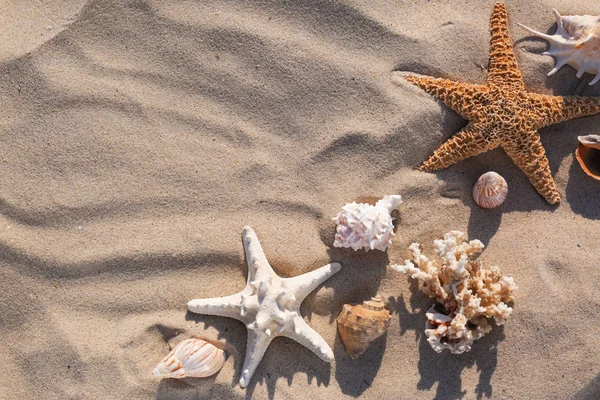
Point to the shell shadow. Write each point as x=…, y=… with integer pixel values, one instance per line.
x=446, y=368
x=356, y=375
x=591, y=391
x=484, y=223
x=184, y=389
x=583, y=193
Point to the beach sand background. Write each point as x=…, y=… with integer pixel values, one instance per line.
x=137, y=138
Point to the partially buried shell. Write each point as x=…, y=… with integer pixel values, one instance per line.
x=360, y=324
x=192, y=358
x=588, y=155
x=490, y=190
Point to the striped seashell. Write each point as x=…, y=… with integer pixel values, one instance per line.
x=576, y=42
x=490, y=190
x=193, y=358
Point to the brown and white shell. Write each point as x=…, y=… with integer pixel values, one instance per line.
x=193, y=358
x=576, y=42
x=360, y=324
x=588, y=155
x=490, y=190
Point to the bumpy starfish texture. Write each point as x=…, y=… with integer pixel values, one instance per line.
x=502, y=113
x=269, y=306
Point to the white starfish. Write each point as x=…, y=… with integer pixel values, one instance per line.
x=269, y=306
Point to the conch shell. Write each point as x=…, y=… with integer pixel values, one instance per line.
x=360, y=324
x=490, y=190
x=363, y=226
x=588, y=155
x=576, y=42
x=192, y=358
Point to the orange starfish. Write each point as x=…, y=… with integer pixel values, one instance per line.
x=502, y=113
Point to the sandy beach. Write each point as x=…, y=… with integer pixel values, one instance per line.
x=138, y=137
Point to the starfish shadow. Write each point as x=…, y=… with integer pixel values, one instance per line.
x=285, y=358
x=275, y=363
x=184, y=389
x=446, y=368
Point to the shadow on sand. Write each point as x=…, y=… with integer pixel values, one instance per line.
x=591, y=391
x=446, y=368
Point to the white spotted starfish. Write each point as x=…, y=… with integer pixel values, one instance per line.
x=269, y=306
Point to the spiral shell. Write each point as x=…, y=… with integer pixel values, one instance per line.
x=360, y=324
x=490, y=190
x=576, y=42
x=588, y=155
x=192, y=358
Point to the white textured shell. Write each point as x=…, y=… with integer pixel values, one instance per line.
x=490, y=190
x=363, y=226
x=576, y=42
x=192, y=358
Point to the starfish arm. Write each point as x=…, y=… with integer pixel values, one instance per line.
x=309, y=338
x=258, y=266
x=503, y=62
x=529, y=155
x=257, y=344
x=554, y=109
x=469, y=142
x=461, y=97
x=302, y=285
x=229, y=306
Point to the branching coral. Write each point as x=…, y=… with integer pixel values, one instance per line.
x=469, y=294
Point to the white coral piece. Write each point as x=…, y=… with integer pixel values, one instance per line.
x=363, y=226
x=469, y=294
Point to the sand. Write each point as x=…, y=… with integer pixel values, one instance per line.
x=137, y=138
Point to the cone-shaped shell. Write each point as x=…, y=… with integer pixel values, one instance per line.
x=192, y=358
x=360, y=324
x=490, y=190
x=588, y=155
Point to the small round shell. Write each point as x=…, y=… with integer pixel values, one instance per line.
x=490, y=190
x=192, y=358
x=588, y=155
x=360, y=324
